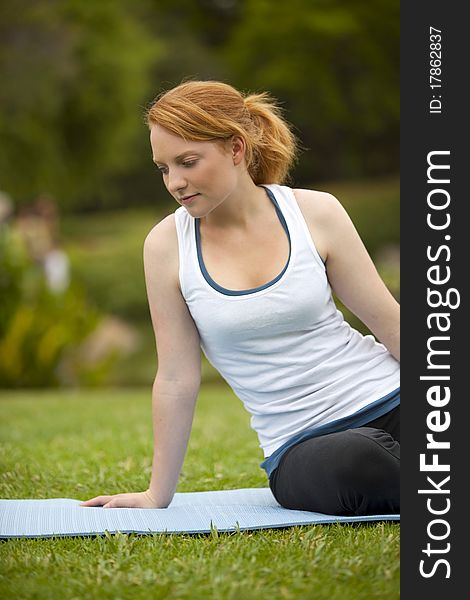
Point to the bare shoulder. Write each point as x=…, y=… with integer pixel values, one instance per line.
x=161, y=256
x=323, y=213
x=162, y=235
x=161, y=243
x=317, y=207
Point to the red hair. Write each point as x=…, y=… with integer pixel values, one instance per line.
x=211, y=111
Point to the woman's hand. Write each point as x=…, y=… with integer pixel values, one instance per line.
x=131, y=500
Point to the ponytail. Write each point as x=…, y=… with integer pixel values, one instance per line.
x=274, y=147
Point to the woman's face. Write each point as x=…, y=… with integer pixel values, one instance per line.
x=199, y=175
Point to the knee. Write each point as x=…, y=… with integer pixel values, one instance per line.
x=368, y=457
x=350, y=472
x=367, y=477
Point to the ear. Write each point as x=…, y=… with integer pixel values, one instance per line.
x=238, y=149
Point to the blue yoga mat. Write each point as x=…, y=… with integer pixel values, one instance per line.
x=191, y=512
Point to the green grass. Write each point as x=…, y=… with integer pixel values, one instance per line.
x=79, y=444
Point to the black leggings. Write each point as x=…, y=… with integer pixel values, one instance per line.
x=352, y=472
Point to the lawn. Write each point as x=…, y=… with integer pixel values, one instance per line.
x=78, y=444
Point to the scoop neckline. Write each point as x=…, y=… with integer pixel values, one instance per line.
x=226, y=291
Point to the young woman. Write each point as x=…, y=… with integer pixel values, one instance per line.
x=245, y=269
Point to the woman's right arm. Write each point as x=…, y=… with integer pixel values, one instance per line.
x=178, y=377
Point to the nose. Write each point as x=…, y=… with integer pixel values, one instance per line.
x=176, y=181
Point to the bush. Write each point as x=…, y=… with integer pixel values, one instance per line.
x=41, y=331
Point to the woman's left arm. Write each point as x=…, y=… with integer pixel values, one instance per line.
x=350, y=270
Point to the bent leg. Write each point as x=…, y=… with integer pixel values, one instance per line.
x=353, y=472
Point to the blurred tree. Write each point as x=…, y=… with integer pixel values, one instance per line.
x=335, y=65
x=193, y=34
x=73, y=78
x=76, y=77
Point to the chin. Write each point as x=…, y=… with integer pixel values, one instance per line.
x=199, y=210
x=196, y=212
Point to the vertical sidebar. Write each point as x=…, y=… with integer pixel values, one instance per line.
x=434, y=293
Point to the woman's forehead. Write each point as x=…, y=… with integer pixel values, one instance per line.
x=167, y=145
x=160, y=136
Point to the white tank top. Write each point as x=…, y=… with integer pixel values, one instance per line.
x=284, y=348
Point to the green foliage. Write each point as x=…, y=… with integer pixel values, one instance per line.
x=75, y=445
x=77, y=75
x=12, y=260
x=40, y=330
x=74, y=75
x=106, y=257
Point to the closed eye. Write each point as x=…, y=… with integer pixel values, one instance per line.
x=187, y=164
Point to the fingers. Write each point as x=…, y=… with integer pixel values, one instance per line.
x=115, y=501
x=121, y=501
x=135, y=500
x=97, y=501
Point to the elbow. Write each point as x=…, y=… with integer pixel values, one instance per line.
x=182, y=384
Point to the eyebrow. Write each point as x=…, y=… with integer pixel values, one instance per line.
x=178, y=157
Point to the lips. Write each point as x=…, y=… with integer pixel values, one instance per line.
x=188, y=199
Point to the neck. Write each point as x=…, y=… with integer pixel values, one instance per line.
x=240, y=208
